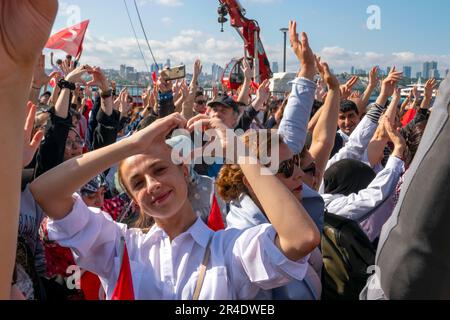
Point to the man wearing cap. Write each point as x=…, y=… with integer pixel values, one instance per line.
x=227, y=110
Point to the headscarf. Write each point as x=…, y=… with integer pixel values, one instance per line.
x=347, y=177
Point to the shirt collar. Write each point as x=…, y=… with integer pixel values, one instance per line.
x=199, y=232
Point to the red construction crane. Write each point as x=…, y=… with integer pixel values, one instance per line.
x=249, y=31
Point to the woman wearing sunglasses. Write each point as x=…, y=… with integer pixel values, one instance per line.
x=246, y=211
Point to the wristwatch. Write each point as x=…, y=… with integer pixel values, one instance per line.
x=106, y=94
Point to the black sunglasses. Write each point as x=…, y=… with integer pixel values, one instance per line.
x=201, y=102
x=287, y=167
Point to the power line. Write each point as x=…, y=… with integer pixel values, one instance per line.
x=135, y=36
x=145, y=35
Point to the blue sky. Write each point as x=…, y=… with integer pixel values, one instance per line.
x=411, y=31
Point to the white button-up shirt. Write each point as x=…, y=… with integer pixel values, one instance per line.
x=242, y=261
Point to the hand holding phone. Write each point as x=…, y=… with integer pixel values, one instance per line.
x=174, y=73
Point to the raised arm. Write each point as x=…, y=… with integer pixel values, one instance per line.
x=375, y=150
x=324, y=133
x=373, y=82
x=53, y=190
x=364, y=132
x=24, y=29
x=294, y=124
x=428, y=95
x=284, y=211
x=244, y=97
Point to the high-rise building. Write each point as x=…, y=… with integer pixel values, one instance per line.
x=434, y=74
x=275, y=67
x=407, y=72
x=123, y=69
x=419, y=75
x=446, y=72
x=352, y=70
x=427, y=67
x=168, y=64
x=217, y=72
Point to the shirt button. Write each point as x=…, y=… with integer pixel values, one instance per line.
x=197, y=196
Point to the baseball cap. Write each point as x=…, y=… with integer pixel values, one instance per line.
x=225, y=101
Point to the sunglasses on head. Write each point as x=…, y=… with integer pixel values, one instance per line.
x=287, y=167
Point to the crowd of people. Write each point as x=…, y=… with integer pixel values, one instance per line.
x=99, y=180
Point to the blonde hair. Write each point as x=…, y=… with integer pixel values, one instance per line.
x=144, y=222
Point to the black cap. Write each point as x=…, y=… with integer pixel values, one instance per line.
x=225, y=101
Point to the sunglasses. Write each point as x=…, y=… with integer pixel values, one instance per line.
x=287, y=167
x=201, y=102
x=311, y=169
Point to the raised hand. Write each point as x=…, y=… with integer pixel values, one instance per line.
x=163, y=85
x=415, y=93
x=248, y=71
x=390, y=83
x=24, y=28
x=303, y=52
x=329, y=78
x=396, y=138
x=197, y=69
x=30, y=143
x=156, y=133
x=98, y=78
x=75, y=74
x=223, y=135
x=262, y=95
x=346, y=89
x=373, y=78
x=67, y=67
x=429, y=88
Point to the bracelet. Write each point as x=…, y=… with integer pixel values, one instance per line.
x=63, y=84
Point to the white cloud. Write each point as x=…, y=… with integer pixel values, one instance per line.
x=186, y=47
x=167, y=21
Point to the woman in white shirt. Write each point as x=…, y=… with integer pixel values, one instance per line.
x=165, y=262
x=353, y=191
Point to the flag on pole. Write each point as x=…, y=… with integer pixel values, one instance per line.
x=124, y=287
x=69, y=40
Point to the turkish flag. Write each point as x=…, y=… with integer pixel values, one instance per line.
x=215, y=221
x=69, y=40
x=124, y=286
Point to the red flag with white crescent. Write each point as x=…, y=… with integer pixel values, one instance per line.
x=69, y=40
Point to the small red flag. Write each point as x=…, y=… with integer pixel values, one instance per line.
x=408, y=117
x=124, y=286
x=254, y=86
x=154, y=78
x=215, y=221
x=69, y=40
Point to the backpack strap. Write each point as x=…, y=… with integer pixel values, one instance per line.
x=202, y=272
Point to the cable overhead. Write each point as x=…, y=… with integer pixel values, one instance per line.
x=145, y=35
x=135, y=36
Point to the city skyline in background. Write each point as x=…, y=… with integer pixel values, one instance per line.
x=183, y=30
